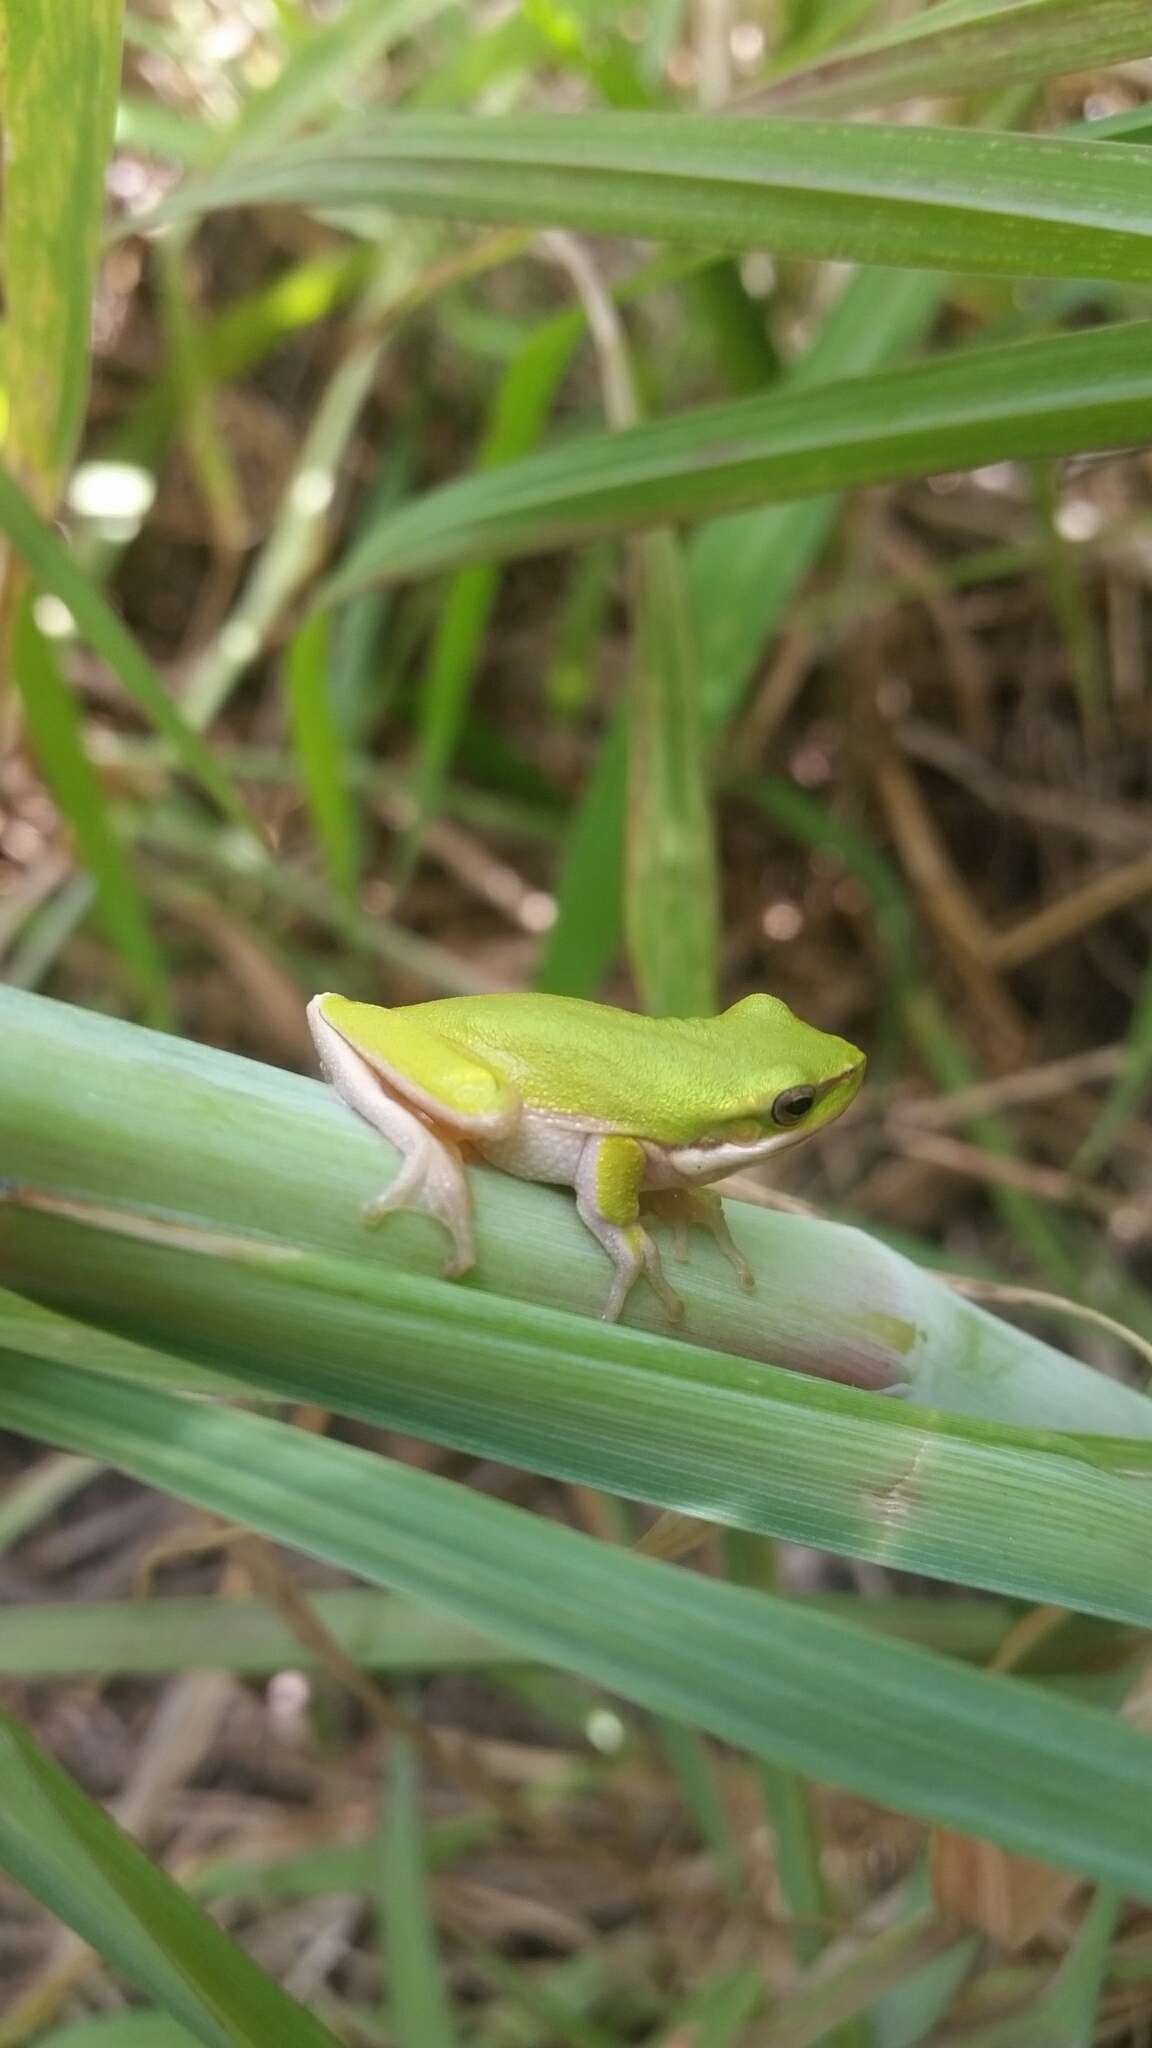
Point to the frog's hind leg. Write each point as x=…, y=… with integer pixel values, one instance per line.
x=608, y=1182
x=685, y=1206
x=431, y=1177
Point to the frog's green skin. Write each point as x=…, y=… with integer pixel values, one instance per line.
x=624, y=1109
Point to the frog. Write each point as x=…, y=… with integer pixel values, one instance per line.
x=638, y=1115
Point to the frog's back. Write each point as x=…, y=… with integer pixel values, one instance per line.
x=663, y=1078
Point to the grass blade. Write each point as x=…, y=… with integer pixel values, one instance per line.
x=1059, y=1781
x=965, y=46
x=320, y=751
x=57, y=738
x=60, y=77
x=53, y=568
x=418, y=2007
x=65, y=1850
x=1056, y=395
x=928, y=198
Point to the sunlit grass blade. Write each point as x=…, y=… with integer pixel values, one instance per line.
x=320, y=751
x=929, y=198
x=70, y=1855
x=1058, y=1781
x=57, y=737
x=1051, y=396
x=58, y=96
x=418, y=2005
x=965, y=46
x=671, y=902
x=54, y=569
x=519, y=413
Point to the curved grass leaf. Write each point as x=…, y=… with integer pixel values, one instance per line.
x=65, y=1850
x=1059, y=1781
x=1058, y=395
x=57, y=735
x=53, y=568
x=965, y=46
x=930, y=198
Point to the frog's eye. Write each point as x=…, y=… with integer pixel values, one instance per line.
x=793, y=1106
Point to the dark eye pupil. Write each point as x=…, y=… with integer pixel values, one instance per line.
x=793, y=1105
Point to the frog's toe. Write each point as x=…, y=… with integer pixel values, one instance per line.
x=432, y=1184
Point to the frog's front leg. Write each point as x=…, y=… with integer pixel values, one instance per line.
x=431, y=1178
x=608, y=1183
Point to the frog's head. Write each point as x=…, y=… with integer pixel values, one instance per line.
x=789, y=1079
x=798, y=1078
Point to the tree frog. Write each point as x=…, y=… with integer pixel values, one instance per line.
x=634, y=1113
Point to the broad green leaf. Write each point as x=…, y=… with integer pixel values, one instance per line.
x=1038, y=1514
x=1059, y=395
x=57, y=737
x=1060, y=1781
x=930, y=198
x=965, y=46
x=61, y=70
x=53, y=568
x=65, y=1850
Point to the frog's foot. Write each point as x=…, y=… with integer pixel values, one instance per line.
x=431, y=1181
x=431, y=1177
x=607, y=1197
x=682, y=1207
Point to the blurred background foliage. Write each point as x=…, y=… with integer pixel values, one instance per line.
x=688, y=532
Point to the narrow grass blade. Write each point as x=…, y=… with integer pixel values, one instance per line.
x=743, y=570
x=66, y=1637
x=120, y=2030
x=1058, y=1781
x=324, y=765
x=57, y=737
x=584, y=940
x=964, y=46
x=71, y=1856
x=52, y=567
x=1051, y=396
x=1124, y=1099
x=418, y=2005
x=38, y=1492
x=927, y=198
x=520, y=411
x=672, y=903
x=99, y=1637
x=58, y=96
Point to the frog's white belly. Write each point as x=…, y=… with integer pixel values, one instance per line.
x=548, y=1147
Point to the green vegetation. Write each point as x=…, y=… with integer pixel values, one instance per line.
x=641, y=502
